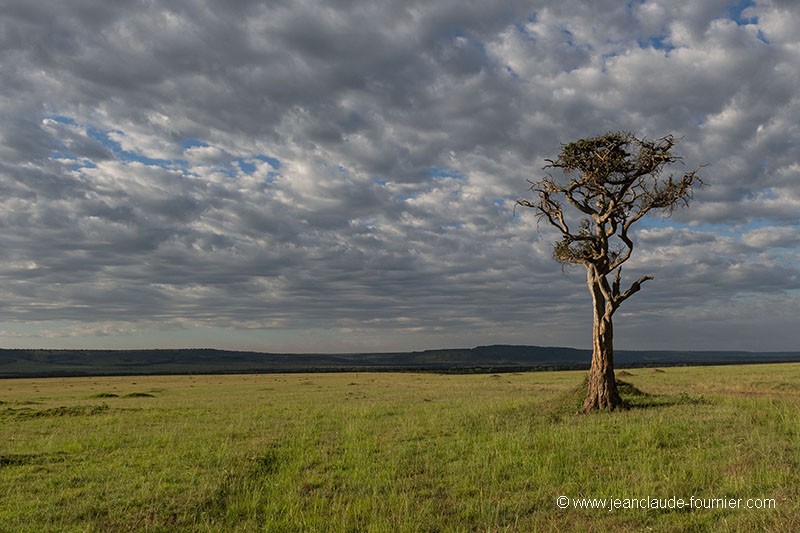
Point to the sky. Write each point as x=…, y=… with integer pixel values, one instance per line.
x=337, y=176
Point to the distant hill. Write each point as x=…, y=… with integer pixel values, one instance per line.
x=498, y=358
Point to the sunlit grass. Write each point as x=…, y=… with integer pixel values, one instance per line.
x=395, y=452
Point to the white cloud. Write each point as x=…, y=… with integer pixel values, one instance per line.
x=772, y=236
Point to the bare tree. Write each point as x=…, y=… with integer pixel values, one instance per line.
x=612, y=181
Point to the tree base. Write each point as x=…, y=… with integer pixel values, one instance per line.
x=602, y=395
x=591, y=405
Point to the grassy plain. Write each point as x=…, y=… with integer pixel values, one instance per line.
x=396, y=452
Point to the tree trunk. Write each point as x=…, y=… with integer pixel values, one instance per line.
x=602, y=386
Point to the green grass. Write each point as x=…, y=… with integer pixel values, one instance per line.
x=396, y=452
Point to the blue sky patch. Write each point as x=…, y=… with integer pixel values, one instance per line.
x=128, y=155
x=444, y=172
x=62, y=119
x=245, y=166
x=736, y=13
x=659, y=42
x=273, y=162
x=193, y=143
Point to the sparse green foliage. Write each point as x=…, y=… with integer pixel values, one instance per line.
x=572, y=249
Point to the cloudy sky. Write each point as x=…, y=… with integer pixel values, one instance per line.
x=337, y=175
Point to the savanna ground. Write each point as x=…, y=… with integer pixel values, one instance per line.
x=397, y=452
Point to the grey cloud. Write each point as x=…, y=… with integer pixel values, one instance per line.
x=404, y=131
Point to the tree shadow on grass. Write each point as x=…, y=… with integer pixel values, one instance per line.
x=636, y=398
x=571, y=401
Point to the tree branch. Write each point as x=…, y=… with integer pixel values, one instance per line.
x=624, y=256
x=583, y=206
x=634, y=288
x=548, y=209
x=615, y=286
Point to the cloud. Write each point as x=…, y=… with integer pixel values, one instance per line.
x=772, y=237
x=342, y=175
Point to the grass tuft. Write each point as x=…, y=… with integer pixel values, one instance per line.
x=23, y=413
x=139, y=395
x=626, y=390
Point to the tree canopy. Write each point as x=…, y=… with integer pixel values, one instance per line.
x=612, y=181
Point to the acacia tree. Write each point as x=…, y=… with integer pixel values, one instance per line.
x=612, y=181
